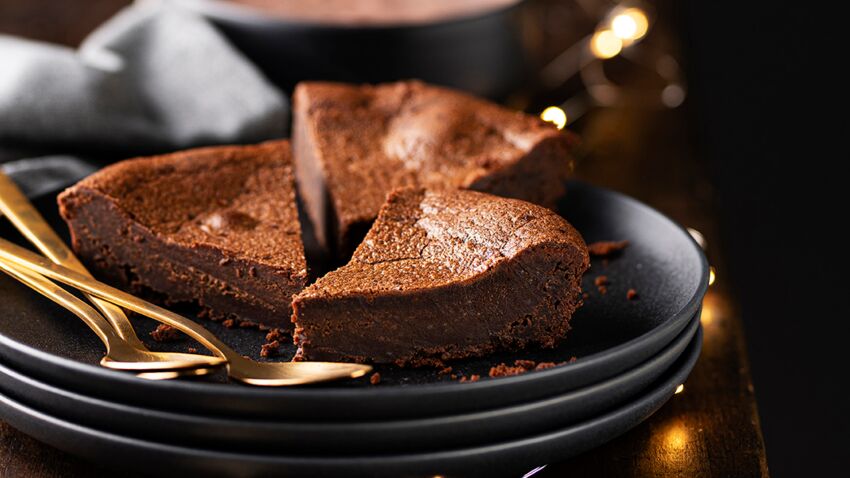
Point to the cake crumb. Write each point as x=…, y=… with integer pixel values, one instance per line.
x=166, y=333
x=545, y=365
x=606, y=248
x=445, y=371
x=263, y=327
x=453, y=377
x=632, y=294
x=505, y=370
x=192, y=350
x=248, y=324
x=229, y=323
x=602, y=284
x=274, y=334
x=472, y=378
x=270, y=349
x=526, y=364
x=375, y=378
x=585, y=295
x=522, y=366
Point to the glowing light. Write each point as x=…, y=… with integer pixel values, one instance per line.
x=605, y=44
x=679, y=389
x=630, y=25
x=672, y=96
x=698, y=237
x=707, y=315
x=554, y=115
x=676, y=439
x=712, y=275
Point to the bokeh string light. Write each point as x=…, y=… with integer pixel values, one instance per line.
x=554, y=115
x=629, y=24
x=617, y=34
x=605, y=44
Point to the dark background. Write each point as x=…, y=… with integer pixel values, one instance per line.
x=766, y=161
x=758, y=96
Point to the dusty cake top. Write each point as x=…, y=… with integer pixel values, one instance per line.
x=371, y=139
x=427, y=239
x=238, y=199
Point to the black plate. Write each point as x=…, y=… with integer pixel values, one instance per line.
x=342, y=438
x=504, y=458
x=610, y=335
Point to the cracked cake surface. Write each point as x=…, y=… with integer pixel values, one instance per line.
x=353, y=144
x=442, y=275
x=213, y=226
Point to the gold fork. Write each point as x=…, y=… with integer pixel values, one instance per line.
x=120, y=354
x=238, y=367
x=18, y=209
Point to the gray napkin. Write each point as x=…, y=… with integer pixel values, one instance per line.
x=154, y=77
x=37, y=176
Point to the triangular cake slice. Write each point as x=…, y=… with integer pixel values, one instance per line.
x=353, y=144
x=213, y=226
x=446, y=275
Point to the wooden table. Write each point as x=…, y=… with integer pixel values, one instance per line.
x=710, y=429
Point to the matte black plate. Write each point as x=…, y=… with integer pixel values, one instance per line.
x=343, y=438
x=502, y=458
x=610, y=335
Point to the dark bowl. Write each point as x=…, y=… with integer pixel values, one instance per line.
x=484, y=54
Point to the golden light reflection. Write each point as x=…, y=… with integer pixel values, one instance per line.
x=676, y=438
x=715, y=311
x=712, y=275
x=630, y=25
x=554, y=115
x=679, y=389
x=698, y=237
x=707, y=315
x=605, y=44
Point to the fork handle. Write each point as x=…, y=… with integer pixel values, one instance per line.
x=23, y=258
x=20, y=211
x=52, y=291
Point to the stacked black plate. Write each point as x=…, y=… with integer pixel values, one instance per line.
x=630, y=355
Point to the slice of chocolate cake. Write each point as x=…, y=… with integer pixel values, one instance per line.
x=213, y=226
x=446, y=275
x=354, y=144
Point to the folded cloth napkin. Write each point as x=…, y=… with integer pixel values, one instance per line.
x=37, y=176
x=153, y=78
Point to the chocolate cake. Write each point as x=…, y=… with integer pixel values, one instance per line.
x=445, y=275
x=213, y=226
x=354, y=144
